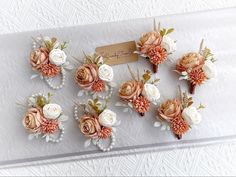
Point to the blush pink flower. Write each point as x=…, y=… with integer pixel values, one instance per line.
x=98, y=86
x=49, y=126
x=141, y=104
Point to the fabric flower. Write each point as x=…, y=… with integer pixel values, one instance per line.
x=50, y=70
x=191, y=115
x=49, y=126
x=52, y=111
x=168, y=44
x=141, y=104
x=38, y=58
x=86, y=75
x=148, y=40
x=151, y=92
x=89, y=126
x=189, y=61
x=197, y=76
x=107, y=118
x=33, y=119
x=98, y=86
x=105, y=133
x=209, y=69
x=130, y=90
x=57, y=57
x=156, y=54
x=169, y=109
x=105, y=73
x=179, y=126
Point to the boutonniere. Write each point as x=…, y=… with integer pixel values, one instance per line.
x=156, y=45
x=178, y=115
x=49, y=60
x=95, y=77
x=139, y=93
x=44, y=119
x=196, y=68
x=97, y=123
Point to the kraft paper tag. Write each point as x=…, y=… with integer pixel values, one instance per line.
x=119, y=53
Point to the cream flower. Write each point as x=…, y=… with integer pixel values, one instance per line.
x=151, y=92
x=52, y=111
x=209, y=69
x=168, y=44
x=107, y=118
x=105, y=72
x=57, y=57
x=191, y=115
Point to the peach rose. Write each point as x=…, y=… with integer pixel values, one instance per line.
x=89, y=126
x=33, y=119
x=130, y=90
x=148, y=40
x=38, y=58
x=86, y=75
x=189, y=61
x=169, y=109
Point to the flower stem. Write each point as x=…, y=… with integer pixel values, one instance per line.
x=155, y=68
x=192, y=88
x=141, y=114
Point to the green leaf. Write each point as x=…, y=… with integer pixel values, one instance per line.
x=169, y=31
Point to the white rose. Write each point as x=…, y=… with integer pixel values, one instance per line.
x=57, y=57
x=52, y=111
x=209, y=69
x=107, y=118
x=168, y=44
x=105, y=72
x=191, y=115
x=151, y=92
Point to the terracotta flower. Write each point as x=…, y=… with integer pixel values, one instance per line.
x=89, y=126
x=189, y=61
x=33, y=119
x=156, y=54
x=141, y=104
x=38, y=58
x=170, y=109
x=49, y=126
x=179, y=126
x=50, y=70
x=86, y=75
x=98, y=86
x=105, y=133
x=148, y=40
x=130, y=90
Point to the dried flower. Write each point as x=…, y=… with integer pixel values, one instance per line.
x=50, y=70
x=38, y=58
x=86, y=75
x=189, y=61
x=156, y=54
x=130, y=90
x=197, y=76
x=169, y=109
x=105, y=133
x=89, y=126
x=141, y=104
x=49, y=126
x=33, y=119
x=148, y=40
x=179, y=126
x=98, y=86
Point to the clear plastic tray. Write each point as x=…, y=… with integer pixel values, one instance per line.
x=135, y=134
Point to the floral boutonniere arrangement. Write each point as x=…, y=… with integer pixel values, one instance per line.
x=95, y=77
x=156, y=45
x=48, y=59
x=196, y=68
x=44, y=118
x=97, y=123
x=178, y=115
x=139, y=93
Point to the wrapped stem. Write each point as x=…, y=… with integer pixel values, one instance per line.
x=155, y=68
x=192, y=88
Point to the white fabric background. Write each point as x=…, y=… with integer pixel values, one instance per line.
x=25, y=15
